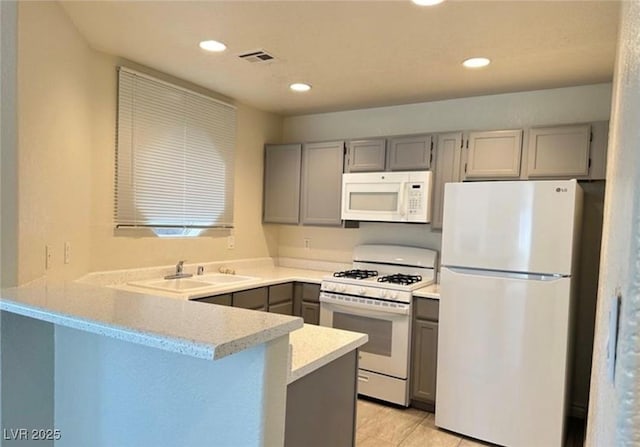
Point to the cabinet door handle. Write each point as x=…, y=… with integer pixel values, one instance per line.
x=363, y=378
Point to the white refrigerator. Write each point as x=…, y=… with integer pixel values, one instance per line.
x=505, y=327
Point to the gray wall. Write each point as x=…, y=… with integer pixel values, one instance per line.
x=614, y=406
x=26, y=388
x=8, y=145
x=113, y=393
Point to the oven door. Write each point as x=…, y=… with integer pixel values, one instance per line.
x=388, y=328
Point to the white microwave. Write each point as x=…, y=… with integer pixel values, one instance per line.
x=387, y=196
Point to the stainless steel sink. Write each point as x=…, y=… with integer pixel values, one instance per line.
x=192, y=284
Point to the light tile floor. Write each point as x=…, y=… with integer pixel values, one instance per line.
x=385, y=426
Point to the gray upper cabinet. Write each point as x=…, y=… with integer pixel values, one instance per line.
x=494, y=154
x=322, y=167
x=561, y=151
x=446, y=169
x=409, y=153
x=282, y=164
x=366, y=155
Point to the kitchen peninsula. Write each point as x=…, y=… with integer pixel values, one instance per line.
x=111, y=367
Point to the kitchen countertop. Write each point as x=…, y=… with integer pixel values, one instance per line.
x=159, y=320
x=166, y=320
x=197, y=329
x=432, y=291
x=265, y=276
x=315, y=346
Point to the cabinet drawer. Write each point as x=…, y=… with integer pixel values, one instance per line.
x=311, y=292
x=223, y=300
x=251, y=299
x=282, y=308
x=280, y=293
x=426, y=309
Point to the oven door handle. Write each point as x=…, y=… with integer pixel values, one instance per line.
x=364, y=310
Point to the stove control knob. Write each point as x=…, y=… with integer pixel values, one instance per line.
x=362, y=291
x=342, y=288
x=384, y=294
x=393, y=295
x=330, y=287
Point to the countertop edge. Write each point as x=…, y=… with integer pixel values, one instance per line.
x=173, y=342
x=328, y=344
x=129, y=335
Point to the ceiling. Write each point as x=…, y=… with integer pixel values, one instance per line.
x=359, y=54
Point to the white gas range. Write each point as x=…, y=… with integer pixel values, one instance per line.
x=375, y=298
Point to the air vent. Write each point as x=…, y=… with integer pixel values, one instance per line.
x=256, y=56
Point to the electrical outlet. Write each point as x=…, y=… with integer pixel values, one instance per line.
x=231, y=242
x=307, y=243
x=48, y=257
x=67, y=252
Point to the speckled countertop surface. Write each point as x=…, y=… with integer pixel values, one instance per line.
x=198, y=329
x=264, y=276
x=315, y=346
x=432, y=291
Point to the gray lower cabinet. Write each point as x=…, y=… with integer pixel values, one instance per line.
x=306, y=302
x=223, y=300
x=321, y=406
x=493, y=154
x=282, y=308
x=322, y=167
x=311, y=312
x=281, y=299
x=281, y=201
x=256, y=299
x=424, y=355
x=366, y=155
x=559, y=151
x=409, y=153
x=446, y=169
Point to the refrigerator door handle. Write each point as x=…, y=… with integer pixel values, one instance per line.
x=509, y=275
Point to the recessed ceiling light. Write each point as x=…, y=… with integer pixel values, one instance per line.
x=212, y=45
x=476, y=62
x=300, y=87
x=427, y=2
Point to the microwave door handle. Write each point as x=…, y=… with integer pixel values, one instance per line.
x=402, y=210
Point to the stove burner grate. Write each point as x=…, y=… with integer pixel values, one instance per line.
x=356, y=274
x=399, y=278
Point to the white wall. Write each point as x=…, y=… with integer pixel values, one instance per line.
x=614, y=407
x=109, y=251
x=513, y=110
x=54, y=140
x=66, y=149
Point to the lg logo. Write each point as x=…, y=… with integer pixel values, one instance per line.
x=561, y=189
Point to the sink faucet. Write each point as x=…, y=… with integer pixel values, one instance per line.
x=179, y=272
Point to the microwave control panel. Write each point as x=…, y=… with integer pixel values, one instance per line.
x=416, y=198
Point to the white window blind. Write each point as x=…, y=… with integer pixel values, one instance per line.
x=175, y=156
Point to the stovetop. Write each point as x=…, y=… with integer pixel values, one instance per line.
x=400, y=278
x=356, y=274
x=385, y=272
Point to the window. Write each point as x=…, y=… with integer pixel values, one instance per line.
x=174, y=158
